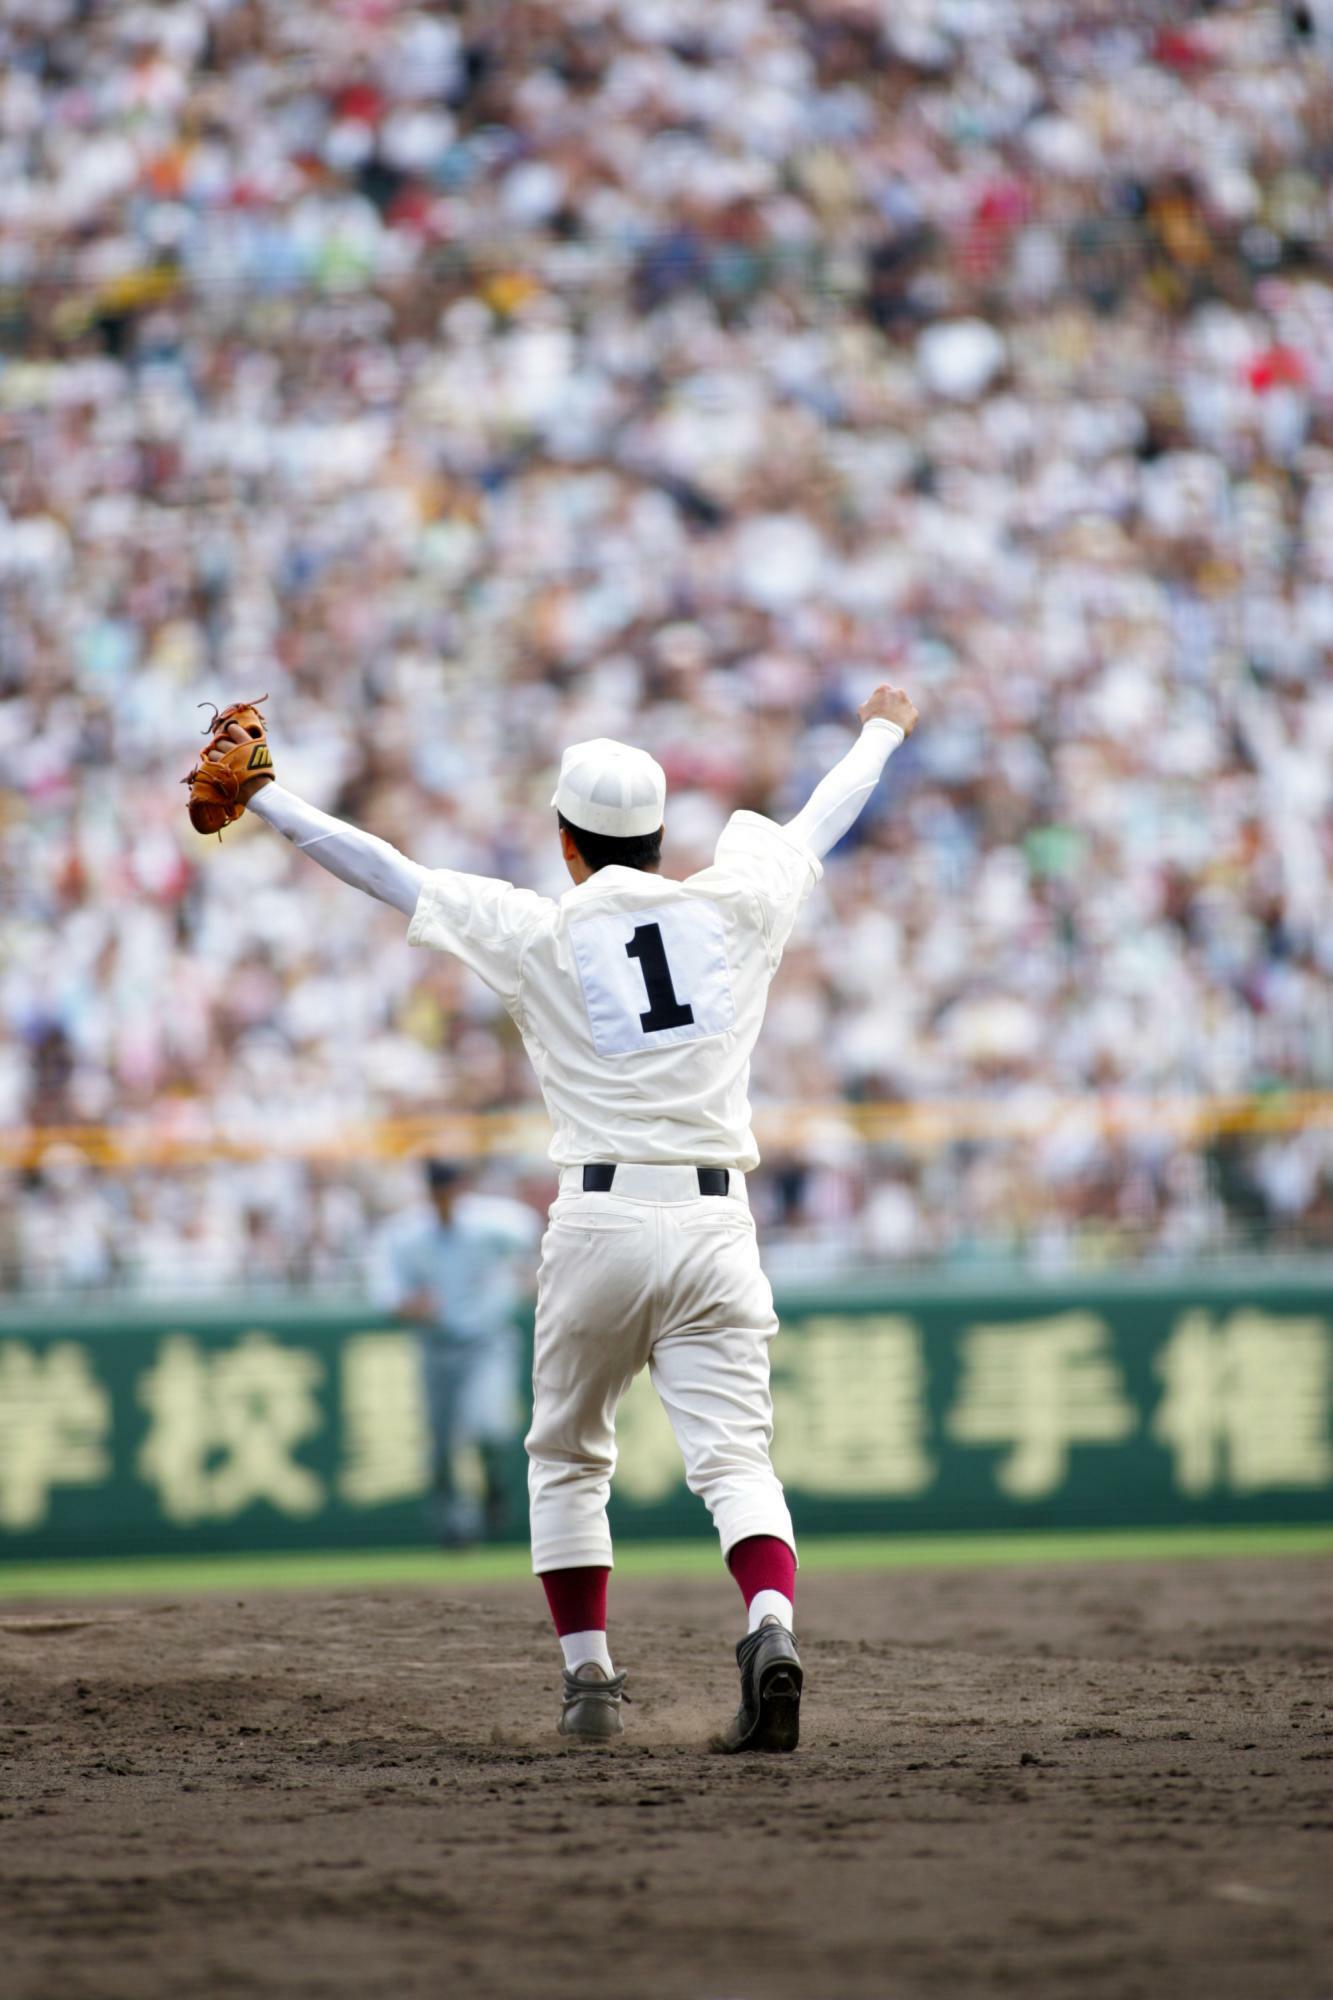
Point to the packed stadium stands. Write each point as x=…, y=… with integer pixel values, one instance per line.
x=475, y=378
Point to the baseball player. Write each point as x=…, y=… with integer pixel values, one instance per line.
x=639, y=1000
x=452, y=1275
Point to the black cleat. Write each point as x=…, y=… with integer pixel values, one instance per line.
x=769, y=1717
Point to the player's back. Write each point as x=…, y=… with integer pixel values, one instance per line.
x=639, y=998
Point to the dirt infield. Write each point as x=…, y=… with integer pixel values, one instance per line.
x=1109, y=1781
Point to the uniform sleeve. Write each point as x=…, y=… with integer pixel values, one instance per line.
x=486, y=923
x=391, y=1276
x=506, y=1224
x=345, y=851
x=778, y=870
x=518, y=1227
x=837, y=799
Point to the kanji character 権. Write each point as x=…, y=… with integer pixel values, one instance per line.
x=1246, y=1402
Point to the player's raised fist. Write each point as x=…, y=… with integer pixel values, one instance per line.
x=890, y=704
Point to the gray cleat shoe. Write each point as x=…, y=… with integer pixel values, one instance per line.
x=591, y=1713
x=769, y=1717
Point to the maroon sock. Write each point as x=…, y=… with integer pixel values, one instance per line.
x=762, y=1562
x=577, y=1598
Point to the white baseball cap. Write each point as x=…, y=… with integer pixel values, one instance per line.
x=611, y=788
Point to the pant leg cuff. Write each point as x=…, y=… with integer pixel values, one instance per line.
x=566, y=1555
x=740, y=1527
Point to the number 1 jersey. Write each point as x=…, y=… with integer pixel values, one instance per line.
x=639, y=999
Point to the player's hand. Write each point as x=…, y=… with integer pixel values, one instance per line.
x=890, y=704
x=217, y=752
x=230, y=771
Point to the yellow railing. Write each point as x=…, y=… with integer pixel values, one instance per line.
x=188, y=1134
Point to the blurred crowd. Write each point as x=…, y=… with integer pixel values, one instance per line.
x=472, y=378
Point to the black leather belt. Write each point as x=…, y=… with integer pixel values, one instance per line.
x=599, y=1177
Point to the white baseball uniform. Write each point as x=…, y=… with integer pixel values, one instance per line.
x=639, y=1000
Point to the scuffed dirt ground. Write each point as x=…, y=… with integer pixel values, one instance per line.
x=1109, y=1782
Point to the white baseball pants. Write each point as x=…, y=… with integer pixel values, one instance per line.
x=652, y=1274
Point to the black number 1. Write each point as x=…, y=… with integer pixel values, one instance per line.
x=664, y=1009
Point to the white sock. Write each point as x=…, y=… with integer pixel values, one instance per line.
x=771, y=1604
x=581, y=1647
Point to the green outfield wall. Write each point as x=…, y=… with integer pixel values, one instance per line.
x=147, y=1429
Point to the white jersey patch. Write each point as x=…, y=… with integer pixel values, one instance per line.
x=580, y=975
x=652, y=977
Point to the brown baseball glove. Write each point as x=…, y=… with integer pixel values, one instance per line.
x=235, y=762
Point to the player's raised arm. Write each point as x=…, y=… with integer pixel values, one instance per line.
x=235, y=774
x=887, y=718
x=361, y=859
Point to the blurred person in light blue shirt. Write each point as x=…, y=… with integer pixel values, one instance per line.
x=455, y=1274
